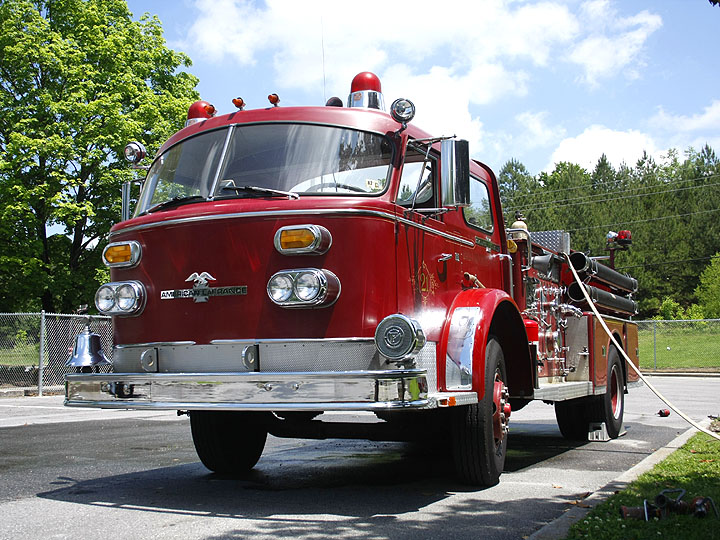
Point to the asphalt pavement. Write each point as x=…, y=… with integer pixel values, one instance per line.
x=135, y=471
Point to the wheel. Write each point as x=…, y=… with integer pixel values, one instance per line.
x=228, y=442
x=573, y=418
x=479, y=431
x=610, y=407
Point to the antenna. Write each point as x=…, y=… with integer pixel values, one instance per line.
x=322, y=44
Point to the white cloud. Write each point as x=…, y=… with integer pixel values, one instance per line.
x=442, y=102
x=709, y=119
x=449, y=61
x=476, y=40
x=617, y=43
x=535, y=131
x=618, y=146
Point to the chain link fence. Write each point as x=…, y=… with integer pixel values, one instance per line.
x=35, y=346
x=680, y=346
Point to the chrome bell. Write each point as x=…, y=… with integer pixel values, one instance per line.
x=87, y=351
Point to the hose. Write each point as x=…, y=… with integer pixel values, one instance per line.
x=621, y=350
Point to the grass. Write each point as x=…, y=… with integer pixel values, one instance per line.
x=680, y=349
x=695, y=468
x=20, y=355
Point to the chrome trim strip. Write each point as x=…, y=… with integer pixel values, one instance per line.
x=320, y=390
x=285, y=340
x=221, y=162
x=156, y=344
x=286, y=376
x=292, y=213
x=188, y=406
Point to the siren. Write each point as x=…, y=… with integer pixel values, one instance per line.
x=199, y=112
x=366, y=92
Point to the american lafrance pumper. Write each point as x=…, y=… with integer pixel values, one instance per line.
x=284, y=262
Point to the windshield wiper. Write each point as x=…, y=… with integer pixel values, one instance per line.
x=258, y=189
x=175, y=201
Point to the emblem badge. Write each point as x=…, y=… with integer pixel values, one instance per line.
x=201, y=290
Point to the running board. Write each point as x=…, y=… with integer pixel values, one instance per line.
x=562, y=391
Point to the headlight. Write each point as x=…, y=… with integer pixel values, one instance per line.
x=121, y=298
x=105, y=298
x=280, y=287
x=305, y=287
x=126, y=297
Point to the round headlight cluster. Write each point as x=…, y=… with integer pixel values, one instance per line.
x=121, y=298
x=307, y=287
x=398, y=337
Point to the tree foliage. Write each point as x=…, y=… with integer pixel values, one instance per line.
x=78, y=80
x=708, y=291
x=672, y=209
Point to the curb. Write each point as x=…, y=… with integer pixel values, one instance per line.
x=559, y=527
x=31, y=391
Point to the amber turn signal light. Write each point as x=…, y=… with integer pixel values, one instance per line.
x=302, y=239
x=119, y=254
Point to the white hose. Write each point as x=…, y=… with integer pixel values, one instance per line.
x=627, y=358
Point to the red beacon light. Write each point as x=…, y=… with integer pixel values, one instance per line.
x=624, y=238
x=239, y=103
x=274, y=99
x=366, y=91
x=199, y=112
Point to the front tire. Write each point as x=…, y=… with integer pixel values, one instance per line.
x=479, y=431
x=228, y=442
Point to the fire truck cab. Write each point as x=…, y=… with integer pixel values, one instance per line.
x=284, y=262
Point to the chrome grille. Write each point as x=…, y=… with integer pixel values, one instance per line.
x=320, y=355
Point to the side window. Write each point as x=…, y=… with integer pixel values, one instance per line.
x=418, y=171
x=479, y=213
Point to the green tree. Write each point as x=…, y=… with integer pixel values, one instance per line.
x=708, y=291
x=78, y=80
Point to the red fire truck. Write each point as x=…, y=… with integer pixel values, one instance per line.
x=284, y=262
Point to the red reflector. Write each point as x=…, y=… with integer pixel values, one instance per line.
x=531, y=327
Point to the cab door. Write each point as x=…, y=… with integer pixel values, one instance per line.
x=429, y=257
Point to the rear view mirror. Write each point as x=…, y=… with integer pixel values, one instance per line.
x=455, y=173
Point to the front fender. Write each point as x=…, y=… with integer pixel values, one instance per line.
x=465, y=335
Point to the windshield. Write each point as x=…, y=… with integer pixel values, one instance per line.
x=269, y=160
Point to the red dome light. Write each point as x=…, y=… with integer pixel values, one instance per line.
x=365, y=81
x=200, y=109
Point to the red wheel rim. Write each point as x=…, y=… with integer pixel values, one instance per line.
x=501, y=409
x=615, y=399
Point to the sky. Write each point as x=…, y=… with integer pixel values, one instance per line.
x=536, y=81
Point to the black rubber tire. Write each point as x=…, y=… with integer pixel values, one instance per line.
x=479, y=457
x=573, y=418
x=228, y=442
x=610, y=407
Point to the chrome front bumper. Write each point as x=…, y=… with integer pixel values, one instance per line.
x=262, y=391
